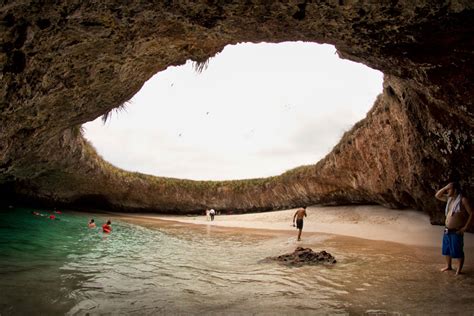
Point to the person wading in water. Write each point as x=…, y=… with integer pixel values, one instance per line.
x=299, y=215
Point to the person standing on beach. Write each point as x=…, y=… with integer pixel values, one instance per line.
x=212, y=212
x=458, y=219
x=299, y=215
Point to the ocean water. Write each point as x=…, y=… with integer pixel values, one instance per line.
x=61, y=267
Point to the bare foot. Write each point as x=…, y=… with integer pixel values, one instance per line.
x=299, y=239
x=458, y=272
x=446, y=269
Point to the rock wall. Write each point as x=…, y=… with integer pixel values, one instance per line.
x=68, y=63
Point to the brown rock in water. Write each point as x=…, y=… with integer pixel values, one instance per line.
x=302, y=256
x=67, y=63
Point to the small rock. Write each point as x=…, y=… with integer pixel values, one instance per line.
x=303, y=256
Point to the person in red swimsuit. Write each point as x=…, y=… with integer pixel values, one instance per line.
x=106, y=228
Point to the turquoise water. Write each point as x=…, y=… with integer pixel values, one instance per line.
x=35, y=252
x=61, y=267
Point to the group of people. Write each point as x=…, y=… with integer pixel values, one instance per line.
x=50, y=216
x=459, y=218
x=106, y=228
x=210, y=214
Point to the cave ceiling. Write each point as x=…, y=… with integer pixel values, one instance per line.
x=68, y=63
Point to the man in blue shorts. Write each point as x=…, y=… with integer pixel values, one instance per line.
x=458, y=219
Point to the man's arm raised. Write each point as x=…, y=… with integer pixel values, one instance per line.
x=441, y=194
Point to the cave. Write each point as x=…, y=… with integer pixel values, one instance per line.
x=67, y=64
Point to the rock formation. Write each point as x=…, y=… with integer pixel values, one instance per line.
x=302, y=256
x=68, y=63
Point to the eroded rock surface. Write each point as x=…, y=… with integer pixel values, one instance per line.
x=68, y=63
x=304, y=256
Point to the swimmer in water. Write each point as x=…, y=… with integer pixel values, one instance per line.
x=53, y=217
x=92, y=223
x=106, y=228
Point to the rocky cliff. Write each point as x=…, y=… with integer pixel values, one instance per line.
x=68, y=63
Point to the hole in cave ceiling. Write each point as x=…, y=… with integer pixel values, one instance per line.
x=257, y=110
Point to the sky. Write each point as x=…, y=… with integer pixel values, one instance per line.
x=257, y=110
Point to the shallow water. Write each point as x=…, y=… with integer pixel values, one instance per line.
x=62, y=267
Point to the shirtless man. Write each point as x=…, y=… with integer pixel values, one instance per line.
x=299, y=215
x=458, y=219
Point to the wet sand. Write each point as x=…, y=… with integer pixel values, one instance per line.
x=371, y=222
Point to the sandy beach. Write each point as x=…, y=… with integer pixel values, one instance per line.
x=371, y=222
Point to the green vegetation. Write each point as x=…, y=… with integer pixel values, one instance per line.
x=120, y=108
x=200, y=66
x=100, y=165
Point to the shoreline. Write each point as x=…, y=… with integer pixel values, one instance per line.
x=370, y=222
